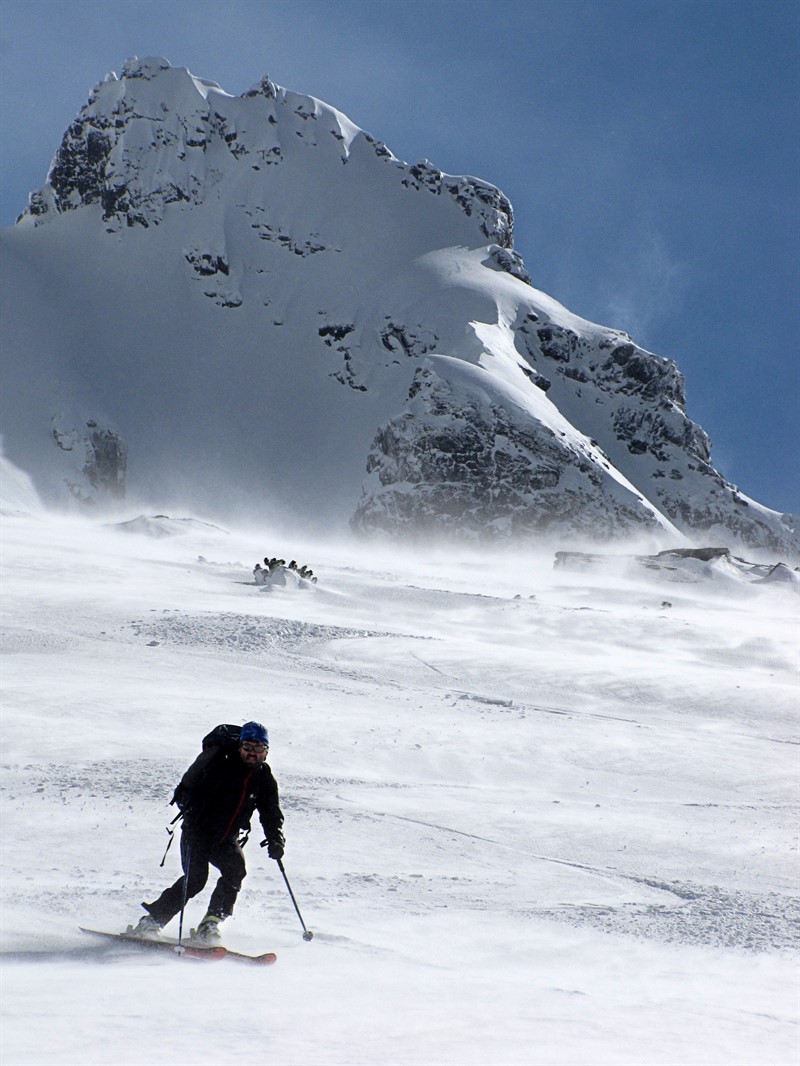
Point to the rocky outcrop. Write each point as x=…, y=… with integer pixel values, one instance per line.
x=98, y=460
x=683, y=565
x=633, y=402
x=460, y=460
x=492, y=209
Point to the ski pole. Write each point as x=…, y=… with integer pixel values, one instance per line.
x=185, y=890
x=307, y=934
x=171, y=833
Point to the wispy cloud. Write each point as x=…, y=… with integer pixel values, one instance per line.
x=651, y=283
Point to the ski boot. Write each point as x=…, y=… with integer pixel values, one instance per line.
x=146, y=929
x=207, y=933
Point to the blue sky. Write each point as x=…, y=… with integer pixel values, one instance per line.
x=651, y=150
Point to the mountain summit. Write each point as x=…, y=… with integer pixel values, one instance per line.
x=248, y=303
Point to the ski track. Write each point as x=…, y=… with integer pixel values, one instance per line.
x=706, y=914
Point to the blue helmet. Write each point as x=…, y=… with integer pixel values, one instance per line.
x=255, y=732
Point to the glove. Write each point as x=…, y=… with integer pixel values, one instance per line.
x=275, y=846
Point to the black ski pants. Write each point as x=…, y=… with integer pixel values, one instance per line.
x=197, y=853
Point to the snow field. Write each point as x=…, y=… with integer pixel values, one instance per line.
x=559, y=829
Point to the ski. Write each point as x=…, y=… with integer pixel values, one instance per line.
x=267, y=959
x=186, y=950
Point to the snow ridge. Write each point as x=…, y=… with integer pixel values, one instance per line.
x=134, y=153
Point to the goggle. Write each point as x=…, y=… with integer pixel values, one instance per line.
x=253, y=748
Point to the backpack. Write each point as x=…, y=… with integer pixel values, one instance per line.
x=222, y=736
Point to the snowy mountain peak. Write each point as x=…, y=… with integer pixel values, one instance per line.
x=253, y=304
x=159, y=135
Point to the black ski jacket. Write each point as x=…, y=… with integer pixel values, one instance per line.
x=219, y=793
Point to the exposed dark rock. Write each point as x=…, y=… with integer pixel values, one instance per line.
x=335, y=332
x=704, y=554
x=646, y=375
x=206, y=264
x=298, y=247
x=334, y=336
x=473, y=197
x=411, y=342
x=107, y=463
x=640, y=396
x=213, y=270
x=265, y=87
x=100, y=457
x=510, y=262
x=456, y=462
x=576, y=373
x=556, y=342
x=539, y=380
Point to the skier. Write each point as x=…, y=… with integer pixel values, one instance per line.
x=217, y=796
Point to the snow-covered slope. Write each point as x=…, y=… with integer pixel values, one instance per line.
x=533, y=817
x=249, y=304
x=17, y=494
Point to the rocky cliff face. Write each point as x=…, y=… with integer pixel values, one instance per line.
x=461, y=454
x=639, y=401
x=264, y=302
x=96, y=460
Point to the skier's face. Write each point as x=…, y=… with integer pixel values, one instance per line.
x=252, y=753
